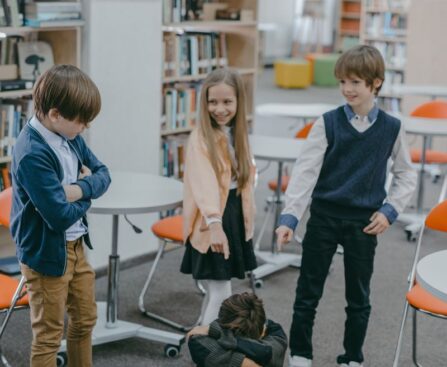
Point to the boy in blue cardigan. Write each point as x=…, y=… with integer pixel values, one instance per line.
x=343, y=168
x=55, y=176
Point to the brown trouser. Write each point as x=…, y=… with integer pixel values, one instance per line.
x=50, y=297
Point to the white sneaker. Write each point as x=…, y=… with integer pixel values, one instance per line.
x=297, y=361
x=351, y=364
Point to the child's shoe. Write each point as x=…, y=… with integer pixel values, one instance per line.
x=351, y=364
x=297, y=361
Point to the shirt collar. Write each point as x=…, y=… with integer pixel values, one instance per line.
x=50, y=137
x=372, y=114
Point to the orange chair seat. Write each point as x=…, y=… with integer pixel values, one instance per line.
x=8, y=287
x=424, y=300
x=5, y=205
x=431, y=156
x=273, y=184
x=170, y=228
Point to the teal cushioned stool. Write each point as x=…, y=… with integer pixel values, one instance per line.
x=324, y=65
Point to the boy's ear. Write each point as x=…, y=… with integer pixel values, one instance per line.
x=377, y=83
x=53, y=114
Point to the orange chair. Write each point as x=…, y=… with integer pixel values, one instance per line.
x=432, y=110
x=170, y=231
x=418, y=298
x=11, y=290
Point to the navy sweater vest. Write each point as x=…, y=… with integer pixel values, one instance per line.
x=351, y=184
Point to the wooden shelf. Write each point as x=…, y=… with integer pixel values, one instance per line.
x=383, y=38
x=188, y=78
x=6, y=159
x=16, y=93
x=185, y=130
x=351, y=15
x=25, y=29
x=221, y=25
x=349, y=33
x=381, y=11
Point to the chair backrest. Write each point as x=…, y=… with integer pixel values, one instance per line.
x=5, y=206
x=304, y=132
x=433, y=110
x=437, y=218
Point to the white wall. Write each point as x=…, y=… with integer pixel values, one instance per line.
x=122, y=54
x=278, y=42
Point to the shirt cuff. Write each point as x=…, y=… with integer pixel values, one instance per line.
x=209, y=220
x=389, y=212
x=288, y=220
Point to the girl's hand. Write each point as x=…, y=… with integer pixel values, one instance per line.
x=85, y=171
x=379, y=224
x=283, y=236
x=219, y=241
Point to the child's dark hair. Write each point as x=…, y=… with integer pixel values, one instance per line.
x=364, y=62
x=244, y=314
x=70, y=91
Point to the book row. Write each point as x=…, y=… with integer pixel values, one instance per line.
x=5, y=178
x=173, y=156
x=387, y=24
x=394, y=54
x=13, y=116
x=193, y=53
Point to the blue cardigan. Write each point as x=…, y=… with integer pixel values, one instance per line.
x=40, y=212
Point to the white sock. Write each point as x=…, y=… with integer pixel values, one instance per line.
x=216, y=292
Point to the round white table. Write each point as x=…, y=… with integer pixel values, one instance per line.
x=431, y=274
x=280, y=150
x=427, y=128
x=432, y=91
x=303, y=111
x=131, y=193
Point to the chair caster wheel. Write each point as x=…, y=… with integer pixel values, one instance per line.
x=259, y=283
x=61, y=359
x=411, y=236
x=172, y=351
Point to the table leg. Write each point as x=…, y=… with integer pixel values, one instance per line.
x=420, y=196
x=278, y=206
x=113, y=277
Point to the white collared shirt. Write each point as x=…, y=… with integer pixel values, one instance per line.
x=69, y=163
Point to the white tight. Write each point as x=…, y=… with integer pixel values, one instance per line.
x=216, y=292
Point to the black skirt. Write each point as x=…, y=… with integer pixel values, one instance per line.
x=213, y=265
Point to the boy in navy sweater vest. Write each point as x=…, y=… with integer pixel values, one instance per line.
x=343, y=168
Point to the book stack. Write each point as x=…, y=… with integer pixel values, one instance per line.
x=52, y=13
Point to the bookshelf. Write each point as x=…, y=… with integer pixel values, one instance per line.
x=384, y=25
x=193, y=45
x=16, y=105
x=348, y=31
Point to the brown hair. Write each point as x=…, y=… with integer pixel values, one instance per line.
x=70, y=91
x=244, y=314
x=210, y=130
x=364, y=62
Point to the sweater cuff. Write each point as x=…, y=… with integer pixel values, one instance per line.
x=236, y=360
x=86, y=189
x=288, y=220
x=389, y=212
x=214, y=330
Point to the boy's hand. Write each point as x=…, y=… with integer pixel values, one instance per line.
x=283, y=236
x=379, y=224
x=85, y=171
x=246, y=362
x=219, y=241
x=73, y=193
x=198, y=330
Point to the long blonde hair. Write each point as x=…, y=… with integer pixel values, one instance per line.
x=211, y=131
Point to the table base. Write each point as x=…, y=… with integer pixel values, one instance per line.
x=274, y=262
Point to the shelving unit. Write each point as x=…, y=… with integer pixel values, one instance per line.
x=348, y=32
x=192, y=49
x=384, y=25
x=66, y=46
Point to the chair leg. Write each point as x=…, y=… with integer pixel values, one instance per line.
x=145, y=289
x=415, y=339
x=15, y=298
x=401, y=333
x=270, y=210
x=443, y=190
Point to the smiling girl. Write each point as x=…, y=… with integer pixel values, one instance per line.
x=218, y=202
